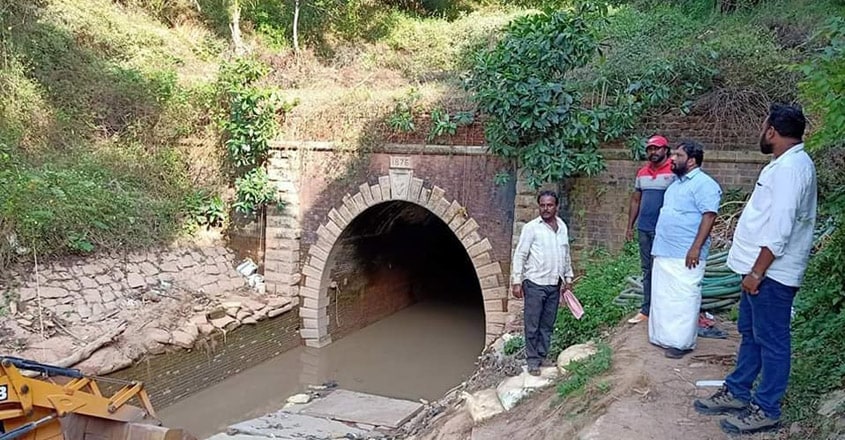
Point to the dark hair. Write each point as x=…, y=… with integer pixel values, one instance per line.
x=547, y=193
x=787, y=120
x=693, y=149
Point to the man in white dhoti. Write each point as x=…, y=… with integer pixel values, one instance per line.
x=681, y=245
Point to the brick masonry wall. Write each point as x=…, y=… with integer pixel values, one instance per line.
x=324, y=180
x=598, y=206
x=465, y=178
x=172, y=376
x=456, y=184
x=362, y=302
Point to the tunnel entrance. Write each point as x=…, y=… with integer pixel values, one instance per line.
x=395, y=255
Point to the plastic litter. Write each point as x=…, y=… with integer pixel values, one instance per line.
x=247, y=267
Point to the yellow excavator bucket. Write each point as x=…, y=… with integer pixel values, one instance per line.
x=63, y=404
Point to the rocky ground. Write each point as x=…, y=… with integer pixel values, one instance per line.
x=101, y=314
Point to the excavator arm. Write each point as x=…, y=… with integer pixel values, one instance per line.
x=64, y=404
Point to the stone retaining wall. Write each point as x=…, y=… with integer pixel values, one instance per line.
x=87, y=290
x=186, y=317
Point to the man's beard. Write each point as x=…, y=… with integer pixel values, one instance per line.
x=765, y=147
x=656, y=158
x=680, y=169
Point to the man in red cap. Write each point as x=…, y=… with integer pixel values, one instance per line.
x=650, y=184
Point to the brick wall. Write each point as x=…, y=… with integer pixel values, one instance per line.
x=171, y=376
x=366, y=299
x=465, y=178
x=598, y=206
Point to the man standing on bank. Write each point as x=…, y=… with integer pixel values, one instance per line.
x=650, y=184
x=541, y=271
x=771, y=248
x=681, y=245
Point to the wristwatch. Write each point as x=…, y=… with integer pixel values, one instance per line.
x=755, y=275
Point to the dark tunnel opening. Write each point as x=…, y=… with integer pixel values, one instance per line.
x=395, y=255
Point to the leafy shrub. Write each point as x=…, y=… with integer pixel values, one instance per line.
x=514, y=345
x=253, y=191
x=441, y=124
x=205, y=210
x=819, y=324
x=603, y=279
x=534, y=116
x=402, y=117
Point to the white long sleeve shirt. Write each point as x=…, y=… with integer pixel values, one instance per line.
x=781, y=215
x=542, y=255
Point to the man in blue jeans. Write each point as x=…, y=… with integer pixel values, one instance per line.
x=647, y=199
x=771, y=248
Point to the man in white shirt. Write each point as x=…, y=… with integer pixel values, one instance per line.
x=541, y=272
x=771, y=248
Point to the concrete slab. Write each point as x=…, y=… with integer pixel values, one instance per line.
x=350, y=406
x=284, y=425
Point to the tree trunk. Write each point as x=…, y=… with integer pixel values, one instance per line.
x=235, y=27
x=296, y=26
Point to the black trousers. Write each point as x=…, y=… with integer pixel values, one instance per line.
x=541, y=304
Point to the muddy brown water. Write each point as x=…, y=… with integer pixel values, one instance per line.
x=417, y=353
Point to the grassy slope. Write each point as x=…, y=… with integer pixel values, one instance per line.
x=96, y=100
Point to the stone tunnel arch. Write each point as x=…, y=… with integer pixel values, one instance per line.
x=314, y=291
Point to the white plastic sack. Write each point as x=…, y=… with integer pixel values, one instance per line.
x=511, y=391
x=675, y=302
x=483, y=404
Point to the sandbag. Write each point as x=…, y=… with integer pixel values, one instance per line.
x=483, y=404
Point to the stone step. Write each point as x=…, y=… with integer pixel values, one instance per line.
x=340, y=414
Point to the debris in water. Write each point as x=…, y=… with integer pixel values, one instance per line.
x=299, y=399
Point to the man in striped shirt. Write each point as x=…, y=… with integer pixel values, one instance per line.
x=646, y=200
x=540, y=273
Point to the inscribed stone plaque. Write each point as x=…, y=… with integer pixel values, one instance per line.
x=403, y=162
x=400, y=183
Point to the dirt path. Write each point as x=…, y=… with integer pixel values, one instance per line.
x=655, y=401
x=649, y=397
